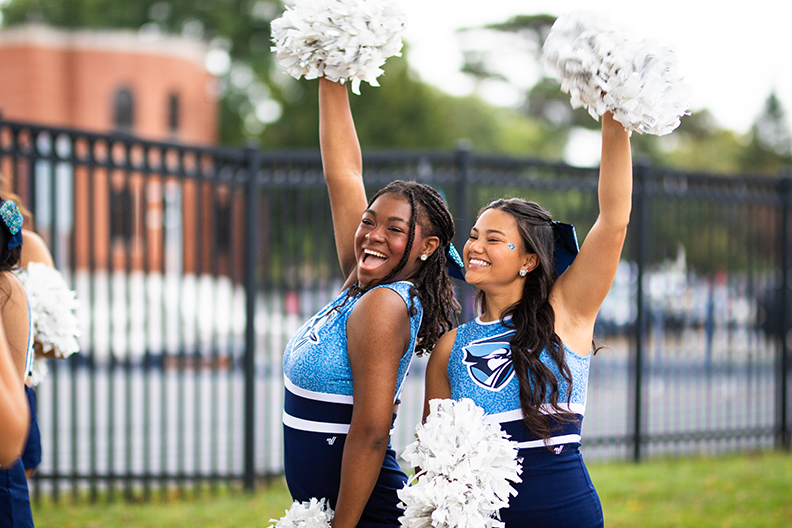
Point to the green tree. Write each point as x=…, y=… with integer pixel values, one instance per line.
x=770, y=145
x=238, y=28
x=260, y=102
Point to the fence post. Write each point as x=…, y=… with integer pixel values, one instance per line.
x=641, y=230
x=785, y=191
x=253, y=160
x=462, y=161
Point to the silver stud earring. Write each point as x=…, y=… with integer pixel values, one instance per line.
x=424, y=257
x=523, y=273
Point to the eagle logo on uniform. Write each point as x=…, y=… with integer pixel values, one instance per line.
x=310, y=332
x=489, y=361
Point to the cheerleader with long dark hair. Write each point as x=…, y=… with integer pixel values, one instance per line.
x=525, y=359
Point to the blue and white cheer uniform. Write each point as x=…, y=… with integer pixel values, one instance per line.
x=556, y=489
x=318, y=409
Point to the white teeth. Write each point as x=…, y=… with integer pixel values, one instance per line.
x=374, y=253
x=477, y=262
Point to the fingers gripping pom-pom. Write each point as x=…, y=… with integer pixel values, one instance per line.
x=604, y=71
x=312, y=514
x=342, y=40
x=466, y=465
x=53, y=307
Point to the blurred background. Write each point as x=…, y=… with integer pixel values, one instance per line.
x=174, y=172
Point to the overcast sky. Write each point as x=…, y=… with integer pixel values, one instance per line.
x=732, y=54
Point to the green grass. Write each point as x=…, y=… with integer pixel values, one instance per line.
x=732, y=491
x=725, y=492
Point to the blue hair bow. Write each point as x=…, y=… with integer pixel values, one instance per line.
x=456, y=268
x=566, y=246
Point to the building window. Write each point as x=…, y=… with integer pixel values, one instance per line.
x=123, y=109
x=173, y=113
x=120, y=214
x=223, y=235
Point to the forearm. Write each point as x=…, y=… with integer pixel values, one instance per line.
x=343, y=167
x=364, y=452
x=341, y=156
x=615, y=181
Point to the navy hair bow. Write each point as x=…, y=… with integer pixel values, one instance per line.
x=566, y=246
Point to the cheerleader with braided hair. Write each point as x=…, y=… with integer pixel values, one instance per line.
x=344, y=369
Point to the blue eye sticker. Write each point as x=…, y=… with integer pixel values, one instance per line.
x=511, y=246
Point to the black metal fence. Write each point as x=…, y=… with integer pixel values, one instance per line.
x=194, y=266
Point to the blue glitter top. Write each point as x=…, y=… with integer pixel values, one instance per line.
x=316, y=357
x=480, y=368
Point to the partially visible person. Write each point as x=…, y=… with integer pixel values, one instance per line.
x=33, y=250
x=15, y=312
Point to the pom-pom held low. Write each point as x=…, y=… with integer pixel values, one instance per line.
x=310, y=514
x=466, y=464
x=53, y=307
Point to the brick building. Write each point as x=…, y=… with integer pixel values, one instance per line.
x=108, y=81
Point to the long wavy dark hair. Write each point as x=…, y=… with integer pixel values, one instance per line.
x=432, y=286
x=533, y=318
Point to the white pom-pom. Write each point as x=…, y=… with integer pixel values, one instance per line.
x=312, y=514
x=604, y=70
x=466, y=465
x=39, y=371
x=53, y=307
x=343, y=40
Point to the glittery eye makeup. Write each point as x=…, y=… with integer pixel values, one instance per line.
x=511, y=246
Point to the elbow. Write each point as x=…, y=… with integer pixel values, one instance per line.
x=370, y=438
x=14, y=440
x=616, y=223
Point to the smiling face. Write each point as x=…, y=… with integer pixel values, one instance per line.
x=495, y=253
x=381, y=239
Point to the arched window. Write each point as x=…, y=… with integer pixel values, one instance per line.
x=173, y=113
x=123, y=109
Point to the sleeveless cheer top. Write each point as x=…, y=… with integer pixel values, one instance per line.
x=480, y=368
x=556, y=490
x=318, y=408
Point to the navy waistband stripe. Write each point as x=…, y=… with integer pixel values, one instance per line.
x=519, y=432
x=316, y=411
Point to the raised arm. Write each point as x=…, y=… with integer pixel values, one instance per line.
x=579, y=292
x=343, y=169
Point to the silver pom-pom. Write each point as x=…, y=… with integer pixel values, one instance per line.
x=312, y=514
x=53, y=307
x=604, y=70
x=466, y=465
x=342, y=40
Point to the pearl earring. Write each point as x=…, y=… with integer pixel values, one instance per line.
x=424, y=257
x=523, y=272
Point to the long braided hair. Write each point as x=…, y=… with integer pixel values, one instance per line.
x=533, y=318
x=432, y=286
